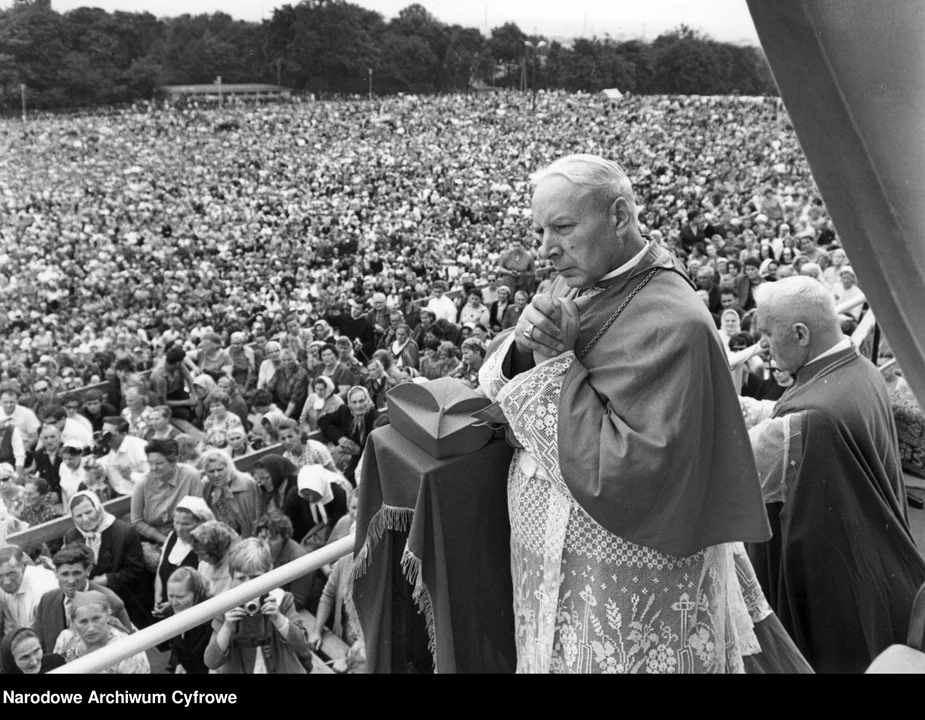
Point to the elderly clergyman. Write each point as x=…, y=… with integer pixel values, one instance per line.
x=842, y=569
x=636, y=482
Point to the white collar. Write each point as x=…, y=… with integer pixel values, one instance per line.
x=633, y=262
x=836, y=348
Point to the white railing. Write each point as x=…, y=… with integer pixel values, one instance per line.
x=163, y=631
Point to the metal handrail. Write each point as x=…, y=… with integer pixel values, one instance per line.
x=164, y=630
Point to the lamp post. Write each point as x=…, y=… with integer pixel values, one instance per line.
x=370, y=83
x=22, y=89
x=536, y=50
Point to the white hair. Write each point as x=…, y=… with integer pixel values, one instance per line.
x=604, y=179
x=798, y=299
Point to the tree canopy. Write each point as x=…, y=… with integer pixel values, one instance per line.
x=88, y=56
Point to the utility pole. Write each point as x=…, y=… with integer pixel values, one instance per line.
x=536, y=50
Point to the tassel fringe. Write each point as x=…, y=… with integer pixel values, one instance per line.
x=412, y=569
x=388, y=518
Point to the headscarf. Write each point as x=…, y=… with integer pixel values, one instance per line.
x=196, y=507
x=317, y=478
x=279, y=469
x=328, y=384
x=326, y=332
x=206, y=382
x=93, y=538
x=90, y=597
x=274, y=418
x=195, y=582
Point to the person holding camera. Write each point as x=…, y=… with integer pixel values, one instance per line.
x=265, y=635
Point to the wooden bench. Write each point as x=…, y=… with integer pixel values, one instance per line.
x=55, y=529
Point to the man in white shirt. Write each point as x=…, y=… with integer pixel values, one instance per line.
x=22, y=417
x=21, y=587
x=71, y=429
x=440, y=304
x=126, y=463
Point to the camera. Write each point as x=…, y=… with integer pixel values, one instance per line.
x=252, y=607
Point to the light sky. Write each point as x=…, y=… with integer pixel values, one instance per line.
x=726, y=20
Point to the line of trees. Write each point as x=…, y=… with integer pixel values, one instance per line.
x=88, y=56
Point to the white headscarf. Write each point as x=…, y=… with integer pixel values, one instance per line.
x=319, y=479
x=93, y=538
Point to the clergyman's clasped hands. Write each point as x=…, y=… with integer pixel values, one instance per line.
x=547, y=327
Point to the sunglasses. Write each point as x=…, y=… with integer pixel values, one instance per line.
x=774, y=369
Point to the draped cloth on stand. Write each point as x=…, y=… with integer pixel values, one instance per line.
x=456, y=561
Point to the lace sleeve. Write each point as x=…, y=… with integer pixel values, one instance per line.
x=755, y=411
x=531, y=404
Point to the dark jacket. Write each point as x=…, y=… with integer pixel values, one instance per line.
x=337, y=424
x=299, y=511
x=356, y=329
x=122, y=562
x=49, y=615
x=189, y=648
x=48, y=470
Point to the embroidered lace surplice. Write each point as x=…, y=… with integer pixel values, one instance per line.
x=587, y=601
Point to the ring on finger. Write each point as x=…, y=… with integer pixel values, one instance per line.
x=528, y=331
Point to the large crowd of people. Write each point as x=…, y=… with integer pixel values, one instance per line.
x=263, y=275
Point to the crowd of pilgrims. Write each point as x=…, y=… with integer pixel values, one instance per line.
x=266, y=274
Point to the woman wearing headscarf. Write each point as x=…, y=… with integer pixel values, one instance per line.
x=323, y=400
x=323, y=332
x=91, y=628
x=348, y=427
x=232, y=496
x=268, y=366
x=186, y=588
x=25, y=655
x=211, y=542
x=117, y=554
x=189, y=514
x=270, y=424
x=278, y=478
x=320, y=503
x=729, y=324
x=203, y=387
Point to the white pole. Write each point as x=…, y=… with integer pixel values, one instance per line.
x=198, y=614
x=22, y=89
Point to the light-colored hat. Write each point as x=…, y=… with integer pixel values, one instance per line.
x=196, y=507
